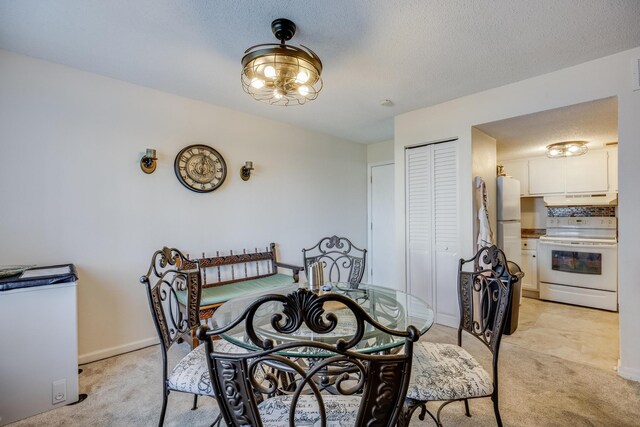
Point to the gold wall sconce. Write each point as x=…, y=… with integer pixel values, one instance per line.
x=148, y=161
x=245, y=171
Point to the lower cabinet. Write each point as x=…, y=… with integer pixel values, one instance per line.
x=530, y=268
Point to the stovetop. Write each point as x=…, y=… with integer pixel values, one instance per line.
x=583, y=228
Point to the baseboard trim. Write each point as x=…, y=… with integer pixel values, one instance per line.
x=447, y=320
x=114, y=351
x=629, y=373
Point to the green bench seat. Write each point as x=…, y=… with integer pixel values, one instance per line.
x=219, y=294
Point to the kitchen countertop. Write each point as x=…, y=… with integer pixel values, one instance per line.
x=532, y=233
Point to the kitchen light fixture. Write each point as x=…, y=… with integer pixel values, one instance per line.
x=281, y=74
x=567, y=149
x=148, y=161
x=245, y=171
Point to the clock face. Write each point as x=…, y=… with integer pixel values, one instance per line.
x=200, y=168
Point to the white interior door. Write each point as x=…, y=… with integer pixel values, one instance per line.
x=446, y=225
x=382, y=226
x=432, y=224
x=419, y=235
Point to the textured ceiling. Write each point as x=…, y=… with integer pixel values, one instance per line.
x=416, y=53
x=526, y=136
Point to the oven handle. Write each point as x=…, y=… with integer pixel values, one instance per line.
x=579, y=245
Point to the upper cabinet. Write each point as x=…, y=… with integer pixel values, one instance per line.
x=546, y=176
x=594, y=172
x=587, y=173
x=519, y=170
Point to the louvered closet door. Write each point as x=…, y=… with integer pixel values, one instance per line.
x=432, y=226
x=419, y=222
x=446, y=225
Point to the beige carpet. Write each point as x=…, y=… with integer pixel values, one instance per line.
x=536, y=390
x=581, y=334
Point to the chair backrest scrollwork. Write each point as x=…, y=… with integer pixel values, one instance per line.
x=343, y=261
x=241, y=380
x=485, y=296
x=164, y=279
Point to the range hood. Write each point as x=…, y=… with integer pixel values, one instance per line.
x=604, y=199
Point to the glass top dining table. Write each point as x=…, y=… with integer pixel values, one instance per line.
x=392, y=308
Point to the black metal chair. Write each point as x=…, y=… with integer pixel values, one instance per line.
x=163, y=280
x=343, y=262
x=446, y=372
x=368, y=389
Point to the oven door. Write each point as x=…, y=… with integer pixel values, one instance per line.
x=579, y=263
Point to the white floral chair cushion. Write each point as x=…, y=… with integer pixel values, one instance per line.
x=341, y=411
x=446, y=372
x=191, y=374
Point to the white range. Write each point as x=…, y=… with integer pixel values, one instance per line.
x=578, y=261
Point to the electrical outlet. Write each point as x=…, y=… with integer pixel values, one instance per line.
x=59, y=391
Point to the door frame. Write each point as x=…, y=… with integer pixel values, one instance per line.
x=370, y=167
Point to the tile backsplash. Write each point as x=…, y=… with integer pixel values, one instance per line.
x=582, y=211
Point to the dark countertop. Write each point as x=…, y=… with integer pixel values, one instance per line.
x=49, y=275
x=532, y=233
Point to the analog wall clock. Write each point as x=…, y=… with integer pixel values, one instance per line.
x=200, y=168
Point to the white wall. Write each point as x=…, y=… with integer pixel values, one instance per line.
x=609, y=76
x=71, y=188
x=484, y=165
x=534, y=212
x=380, y=152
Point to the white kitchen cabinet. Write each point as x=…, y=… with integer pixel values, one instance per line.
x=594, y=172
x=546, y=176
x=530, y=268
x=587, y=173
x=518, y=169
x=613, y=169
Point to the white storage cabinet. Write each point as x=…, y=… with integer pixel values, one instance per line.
x=529, y=265
x=587, y=173
x=546, y=176
x=39, y=362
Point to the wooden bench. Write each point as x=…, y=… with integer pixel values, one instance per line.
x=226, y=276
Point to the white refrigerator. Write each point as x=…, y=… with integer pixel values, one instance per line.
x=509, y=218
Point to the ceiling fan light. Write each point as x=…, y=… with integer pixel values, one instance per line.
x=302, y=77
x=269, y=72
x=257, y=83
x=290, y=75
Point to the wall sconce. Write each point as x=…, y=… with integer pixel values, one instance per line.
x=148, y=161
x=245, y=171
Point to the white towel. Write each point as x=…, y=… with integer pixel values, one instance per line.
x=485, y=235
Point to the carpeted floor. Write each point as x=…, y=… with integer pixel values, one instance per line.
x=535, y=390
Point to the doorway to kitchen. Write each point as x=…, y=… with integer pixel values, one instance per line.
x=568, y=226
